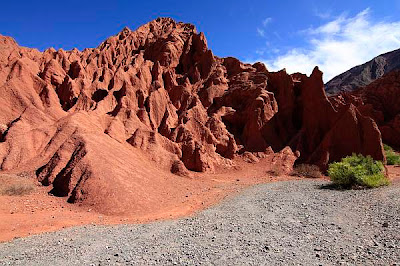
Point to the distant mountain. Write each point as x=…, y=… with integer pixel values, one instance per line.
x=364, y=74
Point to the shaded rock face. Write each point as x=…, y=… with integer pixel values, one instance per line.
x=309, y=123
x=111, y=120
x=380, y=101
x=3, y=131
x=362, y=75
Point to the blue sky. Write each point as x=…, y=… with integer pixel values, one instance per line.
x=294, y=34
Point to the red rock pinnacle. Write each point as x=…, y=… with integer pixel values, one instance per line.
x=108, y=121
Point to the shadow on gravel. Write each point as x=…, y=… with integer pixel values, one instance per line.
x=332, y=186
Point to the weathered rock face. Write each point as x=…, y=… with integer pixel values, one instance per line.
x=309, y=123
x=111, y=120
x=380, y=100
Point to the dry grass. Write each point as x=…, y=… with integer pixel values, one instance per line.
x=275, y=171
x=307, y=170
x=18, y=189
x=16, y=185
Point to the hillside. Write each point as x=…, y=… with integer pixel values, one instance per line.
x=363, y=75
x=119, y=127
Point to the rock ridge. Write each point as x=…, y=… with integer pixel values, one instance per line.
x=116, y=119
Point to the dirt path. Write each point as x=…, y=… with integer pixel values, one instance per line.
x=39, y=212
x=282, y=223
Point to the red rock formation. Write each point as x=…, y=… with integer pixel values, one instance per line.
x=328, y=134
x=113, y=120
x=380, y=101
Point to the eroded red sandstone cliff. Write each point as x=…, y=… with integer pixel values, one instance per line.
x=85, y=119
x=379, y=100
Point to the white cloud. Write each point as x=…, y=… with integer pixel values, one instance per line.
x=266, y=21
x=260, y=52
x=340, y=44
x=326, y=14
x=332, y=27
x=260, y=32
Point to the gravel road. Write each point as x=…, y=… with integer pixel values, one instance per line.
x=283, y=223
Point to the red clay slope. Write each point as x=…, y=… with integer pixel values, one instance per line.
x=107, y=126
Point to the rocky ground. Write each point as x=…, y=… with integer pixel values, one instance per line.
x=283, y=223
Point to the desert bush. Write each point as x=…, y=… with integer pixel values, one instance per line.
x=16, y=184
x=357, y=170
x=17, y=189
x=307, y=170
x=275, y=171
x=392, y=158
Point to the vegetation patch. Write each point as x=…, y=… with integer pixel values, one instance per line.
x=357, y=170
x=307, y=170
x=392, y=158
x=275, y=171
x=16, y=185
x=18, y=189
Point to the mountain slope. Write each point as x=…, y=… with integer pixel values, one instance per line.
x=363, y=75
x=117, y=126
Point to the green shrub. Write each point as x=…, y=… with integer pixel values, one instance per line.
x=392, y=158
x=387, y=147
x=357, y=170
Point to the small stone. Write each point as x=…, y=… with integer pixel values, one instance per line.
x=385, y=224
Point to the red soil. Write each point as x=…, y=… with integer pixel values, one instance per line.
x=39, y=212
x=151, y=125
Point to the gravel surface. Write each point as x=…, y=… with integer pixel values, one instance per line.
x=283, y=223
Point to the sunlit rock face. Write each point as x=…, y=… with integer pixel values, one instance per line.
x=107, y=122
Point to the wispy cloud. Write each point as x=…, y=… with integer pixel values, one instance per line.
x=340, y=44
x=266, y=21
x=261, y=30
x=326, y=14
